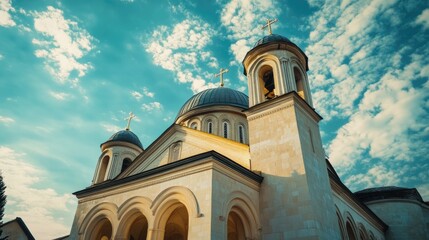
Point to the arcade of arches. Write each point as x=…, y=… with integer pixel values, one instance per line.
x=171, y=220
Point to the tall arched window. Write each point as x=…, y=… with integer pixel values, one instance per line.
x=266, y=81
x=225, y=127
x=350, y=232
x=103, y=169
x=241, y=133
x=210, y=126
x=125, y=164
x=299, y=81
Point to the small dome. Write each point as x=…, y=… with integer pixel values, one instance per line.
x=271, y=39
x=125, y=136
x=215, y=96
x=274, y=39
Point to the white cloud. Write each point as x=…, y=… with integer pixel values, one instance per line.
x=388, y=111
x=377, y=176
x=151, y=106
x=5, y=17
x=61, y=96
x=62, y=44
x=181, y=49
x=111, y=128
x=6, y=120
x=139, y=95
x=423, y=19
x=136, y=95
x=243, y=21
x=39, y=207
x=147, y=93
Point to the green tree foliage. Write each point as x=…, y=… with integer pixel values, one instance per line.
x=2, y=204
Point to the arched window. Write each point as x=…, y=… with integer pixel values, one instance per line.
x=176, y=227
x=225, y=127
x=194, y=125
x=350, y=232
x=241, y=133
x=138, y=229
x=210, y=126
x=266, y=79
x=102, y=172
x=125, y=164
x=299, y=81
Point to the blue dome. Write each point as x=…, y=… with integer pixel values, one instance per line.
x=125, y=136
x=271, y=39
x=274, y=39
x=220, y=96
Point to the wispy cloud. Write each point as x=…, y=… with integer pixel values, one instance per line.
x=62, y=44
x=5, y=10
x=145, y=92
x=182, y=48
x=423, y=19
x=6, y=120
x=111, y=128
x=61, y=96
x=151, y=106
x=39, y=207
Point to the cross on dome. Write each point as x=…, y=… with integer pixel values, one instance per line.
x=129, y=120
x=220, y=74
x=268, y=25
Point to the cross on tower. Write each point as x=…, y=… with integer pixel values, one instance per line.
x=129, y=120
x=220, y=74
x=268, y=25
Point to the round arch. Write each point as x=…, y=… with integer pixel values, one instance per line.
x=363, y=234
x=171, y=196
x=95, y=217
x=340, y=223
x=350, y=227
x=241, y=206
x=131, y=210
x=256, y=94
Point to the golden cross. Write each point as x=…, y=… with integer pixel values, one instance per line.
x=129, y=120
x=220, y=74
x=268, y=25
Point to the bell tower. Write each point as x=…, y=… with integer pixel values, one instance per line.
x=285, y=145
x=117, y=153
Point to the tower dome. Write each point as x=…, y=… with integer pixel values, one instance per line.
x=220, y=96
x=279, y=42
x=125, y=136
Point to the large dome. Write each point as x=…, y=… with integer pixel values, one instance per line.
x=220, y=96
x=125, y=136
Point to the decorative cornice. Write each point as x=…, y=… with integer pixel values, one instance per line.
x=279, y=103
x=171, y=167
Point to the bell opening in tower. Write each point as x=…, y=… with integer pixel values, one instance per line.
x=266, y=77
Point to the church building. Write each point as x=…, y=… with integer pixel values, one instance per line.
x=240, y=167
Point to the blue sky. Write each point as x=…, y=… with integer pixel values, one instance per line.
x=71, y=71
